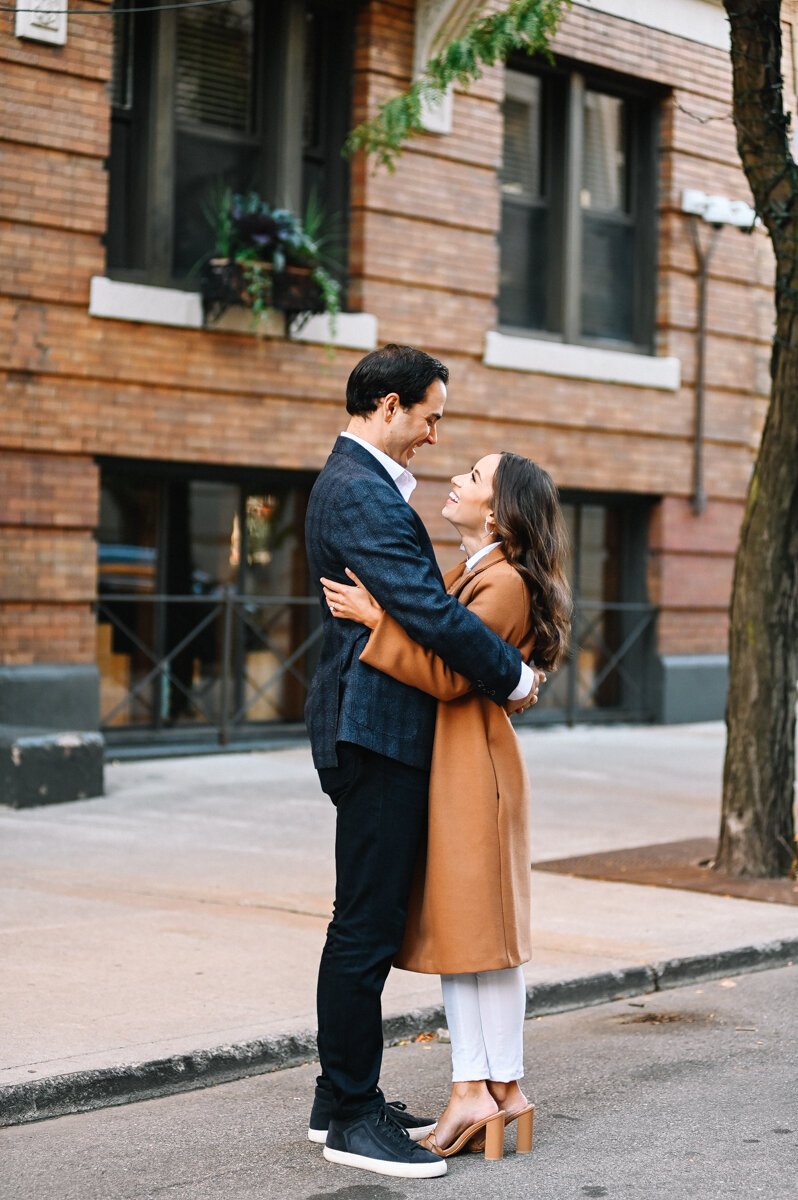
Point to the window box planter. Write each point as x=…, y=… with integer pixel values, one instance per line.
x=226, y=283
x=267, y=258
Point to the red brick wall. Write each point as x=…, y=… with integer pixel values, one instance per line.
x=425, y=261
x=48, y=557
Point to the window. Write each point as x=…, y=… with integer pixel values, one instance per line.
x=578, y=183
x=609, y=673
x=249, y=94
x=203, y=616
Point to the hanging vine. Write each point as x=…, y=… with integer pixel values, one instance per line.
x=523, y=25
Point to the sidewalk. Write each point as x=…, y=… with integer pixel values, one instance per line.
x=185, y=911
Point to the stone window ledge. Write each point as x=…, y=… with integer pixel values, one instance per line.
x=115, y=300
x=541, y=357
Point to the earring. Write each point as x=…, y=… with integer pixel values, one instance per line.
x=487, y=530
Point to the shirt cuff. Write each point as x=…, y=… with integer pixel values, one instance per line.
x=524, y=683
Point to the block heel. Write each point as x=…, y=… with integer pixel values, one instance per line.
x=494, y=1137
x=526, y=1129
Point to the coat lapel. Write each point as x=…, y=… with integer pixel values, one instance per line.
x=459, y=577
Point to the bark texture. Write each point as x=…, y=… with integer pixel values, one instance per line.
x=757, y=835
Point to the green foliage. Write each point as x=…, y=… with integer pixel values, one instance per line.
x=523, y=25
x=264, y=242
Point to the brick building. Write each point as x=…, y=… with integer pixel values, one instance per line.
x=154, y=467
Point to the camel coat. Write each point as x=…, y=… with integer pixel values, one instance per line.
x=470, y=905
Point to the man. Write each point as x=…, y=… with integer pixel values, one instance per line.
x=371, y=738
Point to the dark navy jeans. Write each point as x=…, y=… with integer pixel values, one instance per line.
x=381, y=817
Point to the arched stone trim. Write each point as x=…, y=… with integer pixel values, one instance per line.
x=438, y=22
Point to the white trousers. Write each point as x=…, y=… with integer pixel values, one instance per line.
x=485, y=1015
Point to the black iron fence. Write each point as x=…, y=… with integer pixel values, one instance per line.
x=609, y=672
x=231, y=665
x=222, y=664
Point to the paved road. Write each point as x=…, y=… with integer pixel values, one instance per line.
x=689, y=1093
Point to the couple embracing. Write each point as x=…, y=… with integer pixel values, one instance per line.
x=409, y=728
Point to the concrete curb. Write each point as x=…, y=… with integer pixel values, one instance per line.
x=83, y=1091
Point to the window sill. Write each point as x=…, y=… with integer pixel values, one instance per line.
x=541, y=357
x=115, y=300
x=119, y=301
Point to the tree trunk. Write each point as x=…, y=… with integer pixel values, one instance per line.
x=757, y=829
x=757, y=835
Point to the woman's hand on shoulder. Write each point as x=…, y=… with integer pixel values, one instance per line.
x=352, y=603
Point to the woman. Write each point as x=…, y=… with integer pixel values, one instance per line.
x=469, y=916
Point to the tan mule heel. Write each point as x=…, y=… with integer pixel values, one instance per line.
x=526, y=1129
x=494, y=1137
x=524, y=1136
x=489, y=1131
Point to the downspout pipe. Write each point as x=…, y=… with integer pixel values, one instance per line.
x=703, y=259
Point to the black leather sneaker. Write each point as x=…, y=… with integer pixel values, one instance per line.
x=376, y=1143
x=417, y=1127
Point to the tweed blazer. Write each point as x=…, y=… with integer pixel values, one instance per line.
x=357, y=518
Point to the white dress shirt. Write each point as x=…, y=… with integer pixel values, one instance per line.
x=406, y=483
x=474, y=559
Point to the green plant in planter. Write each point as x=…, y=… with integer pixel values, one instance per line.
x=272, y=258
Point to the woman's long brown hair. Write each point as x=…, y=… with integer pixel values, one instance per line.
x=529, y=521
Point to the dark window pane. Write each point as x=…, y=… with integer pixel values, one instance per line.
x=124, y=239
x=314, y=66
x=211, y=561
x=593, y=554
x=122, y=64
x=604, y=154
x=522, y=170
x=522, y=297
x=130, y=120
x=214, y=69
x=607, y=278
x=326, y=121
x=127, y=562
x=275, y=565
x=524, y=259
x=204, y=167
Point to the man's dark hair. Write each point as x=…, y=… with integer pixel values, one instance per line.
x=400, y=369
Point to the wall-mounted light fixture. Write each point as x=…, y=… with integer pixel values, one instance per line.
x=718, y=210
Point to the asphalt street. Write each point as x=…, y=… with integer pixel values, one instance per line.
x=686, y=1093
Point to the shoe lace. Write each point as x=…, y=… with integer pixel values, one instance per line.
x=394, y=1131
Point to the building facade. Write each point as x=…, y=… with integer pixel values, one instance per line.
x=154, y=465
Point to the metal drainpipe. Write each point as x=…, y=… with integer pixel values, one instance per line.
x=704, y=258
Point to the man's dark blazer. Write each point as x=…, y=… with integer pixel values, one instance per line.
x=357, y=518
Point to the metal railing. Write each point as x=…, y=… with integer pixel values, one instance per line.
x=220, y=637
x=221, y=699
x=620, y=664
